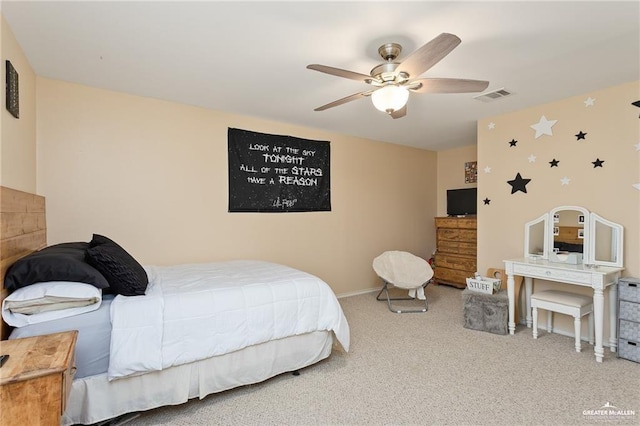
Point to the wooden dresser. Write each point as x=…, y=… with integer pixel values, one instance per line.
x=36, y=379
x=455, y=258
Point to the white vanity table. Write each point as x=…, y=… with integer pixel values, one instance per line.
x=600, y=266
x=598, y=278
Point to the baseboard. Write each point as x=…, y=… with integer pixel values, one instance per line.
x=568, y=334
x=357, y=293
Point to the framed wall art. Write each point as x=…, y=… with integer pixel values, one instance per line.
x=277, y=173
x=12, y=92
x=471, y=172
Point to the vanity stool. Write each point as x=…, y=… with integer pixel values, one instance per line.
x=566, y=303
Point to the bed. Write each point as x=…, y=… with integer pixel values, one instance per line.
x=194, y=329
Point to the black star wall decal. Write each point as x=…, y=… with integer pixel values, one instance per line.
x=518, y=184
x=554, y=162
x=580, y=135
x=636, y=103
x=513, y=142
x=486, y=201
x=597, y=163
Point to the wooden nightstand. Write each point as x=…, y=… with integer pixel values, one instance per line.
x=36, y=379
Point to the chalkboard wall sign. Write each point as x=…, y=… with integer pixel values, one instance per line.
x=273, y=173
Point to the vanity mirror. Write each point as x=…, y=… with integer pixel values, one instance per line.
x=606, y=241
x=566, y=242
x=572, y=234
x=535, y=238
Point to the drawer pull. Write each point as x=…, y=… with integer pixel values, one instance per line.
x=632, y=343
x=633, y=285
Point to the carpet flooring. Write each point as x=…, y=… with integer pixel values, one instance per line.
x=427, y=369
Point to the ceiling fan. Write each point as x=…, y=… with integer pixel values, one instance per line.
x=393, y=81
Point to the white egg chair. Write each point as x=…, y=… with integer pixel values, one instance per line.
x=403, y=270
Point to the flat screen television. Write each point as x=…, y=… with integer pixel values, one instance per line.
x=462, y=202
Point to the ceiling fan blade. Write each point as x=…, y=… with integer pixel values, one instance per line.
x=399, y=113
x=344, y=100
x=448, y=85
x=428, y=55
x=341, y=73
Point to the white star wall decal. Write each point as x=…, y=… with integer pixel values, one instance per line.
x=532, y=158
x=487, y=169
x=637, y=146
x=636, y=186
x=565, y=180
x=543, y=127
x=491, y=125
x=589, y=102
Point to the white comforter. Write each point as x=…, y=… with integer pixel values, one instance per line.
x=192, y=312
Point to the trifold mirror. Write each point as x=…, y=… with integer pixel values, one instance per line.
x=573, y=235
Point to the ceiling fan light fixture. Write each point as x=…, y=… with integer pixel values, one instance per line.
x=390, y=98
x=393, y=80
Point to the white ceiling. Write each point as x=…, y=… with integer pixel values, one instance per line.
x=250, y=58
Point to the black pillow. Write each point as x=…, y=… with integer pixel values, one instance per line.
x=59, y=262
x=100, y=239
x=124, y=274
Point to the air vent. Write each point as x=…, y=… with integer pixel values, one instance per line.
x=492, y=96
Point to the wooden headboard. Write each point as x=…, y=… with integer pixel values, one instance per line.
x=23, y=230
x=569, y=234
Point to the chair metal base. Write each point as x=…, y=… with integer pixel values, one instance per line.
x=385, y=288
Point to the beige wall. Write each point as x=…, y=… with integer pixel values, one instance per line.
x=451, y=172
x=18, y=143
x=153, y=175
x=3, y=28
x=612, y=129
